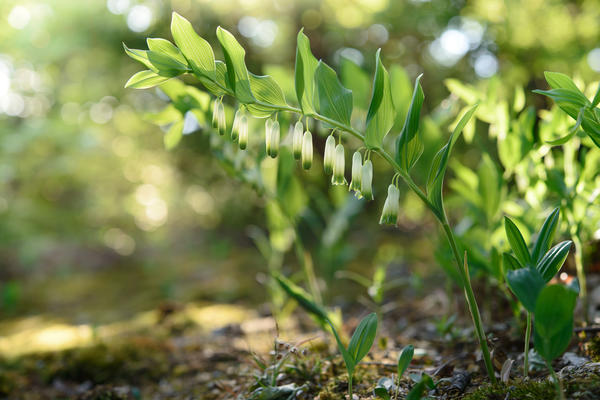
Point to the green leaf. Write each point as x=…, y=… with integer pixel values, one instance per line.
x=332, y=100
x=196, y=50
x=437, y=171
x=363, y=338
x=545, y=236
x=516, y=241
x=159, y=63
x=558, y=80
x=301, y=296
x=163, y=46
x=405, y=358
x=237, y=73
x=409, y=145
x=526, y=284
x=553, y=260
x=596, y=99
x=266, y=90
x=356, y=79
x=306, y=66
x=381, y=393
x=490, y=187
x=145, y=79
x=510, y=262
x=381, y=114
x=554, y=320
x=173, y=135
x=416, y=393
x=566, y=96
x=220, y=84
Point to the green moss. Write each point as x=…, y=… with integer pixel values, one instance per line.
x=593, y=349
x=518, y=390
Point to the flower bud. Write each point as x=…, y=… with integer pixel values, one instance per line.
x=243, y=132
x=297, y=140
x=222, y=123
x=356, y=173
x=389, y=216
x=329, y=154
x=215, y=114
x=235, y=128
x=307, y=150
x=268, y=126
x=366, y=182
x=275, y=135
x=339, y=166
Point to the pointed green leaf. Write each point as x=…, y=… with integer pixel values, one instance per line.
x=331, y=99
x=545, y=236
x=145, y=79
x=437, y=171
x=517, y=243
x=554, y=320
x=266, y=90
x=220, y=84
x=301, y=296
x=165, y=47
x=173, y=135
x=363, y=338
x=526, y=284
x=558, y=80
x=409, y=146
x=596, y=99
x=404, y=359
x=381, y=114
x=553, y=260
x=306, y=66
x=159, y=63
x=196, y=50
x=510, y=262
x=237, y=73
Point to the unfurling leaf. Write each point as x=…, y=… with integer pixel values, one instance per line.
x=553, y=260
x=545, y=236
x=381, y=114
x=517, y=243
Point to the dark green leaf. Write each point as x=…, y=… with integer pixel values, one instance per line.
x=331, y=99
x=510, y=262
x=437, y=171
x=381, y=393
x=416, y=393
x=145, y=79
x=306, y=66
x=405, y=358
x=526, y=284
x=301, y=296
x=553, y=260
x=554, y=320
x=237, y=73
x=517, y=243
x=545, y=236
x=363, y=338
x=196, y=50
x=409, y=146
x=381, y=114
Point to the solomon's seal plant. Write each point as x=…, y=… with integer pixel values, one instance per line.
x=320, y=96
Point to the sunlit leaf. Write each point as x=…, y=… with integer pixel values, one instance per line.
x=381, y=114
x=145, y=79
x=363, y=337
x=163, y=46
x=266, y=90
x=553, y=260
x=159, y=63
x=306, y=66
x=196, y=50
x=173, y=135
x=237, y=73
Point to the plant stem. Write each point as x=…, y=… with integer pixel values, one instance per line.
x=557, y=383
x=350, y=386
x=581, y=275
x=526, y=350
